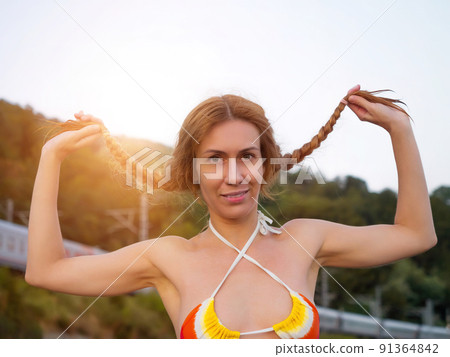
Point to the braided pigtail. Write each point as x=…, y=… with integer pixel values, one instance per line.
x=308, y=148
x=119, y=154
x=116, y=150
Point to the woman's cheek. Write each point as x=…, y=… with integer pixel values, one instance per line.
x=255, y=171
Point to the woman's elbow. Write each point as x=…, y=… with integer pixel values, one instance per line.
x=430, y=242
x=29, y=278
x=34, y=279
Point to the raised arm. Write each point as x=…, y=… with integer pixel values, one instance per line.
x=47, y=265
x=413, y=229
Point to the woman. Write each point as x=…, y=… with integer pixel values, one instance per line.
x=222, y=282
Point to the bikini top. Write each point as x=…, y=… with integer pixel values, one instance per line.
x=203, y=322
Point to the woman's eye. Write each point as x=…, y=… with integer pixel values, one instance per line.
x=214, y=159
x=248, y=156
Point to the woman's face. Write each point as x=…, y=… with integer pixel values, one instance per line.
x=230, y=168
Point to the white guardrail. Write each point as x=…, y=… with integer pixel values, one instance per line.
x=365, y=326
x=13, y=253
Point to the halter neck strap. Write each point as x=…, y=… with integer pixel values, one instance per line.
x=261, y=226
x=264, y=227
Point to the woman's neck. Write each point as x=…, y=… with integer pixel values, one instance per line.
x=236, y=230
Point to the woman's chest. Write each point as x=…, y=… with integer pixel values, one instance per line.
x=254, y=294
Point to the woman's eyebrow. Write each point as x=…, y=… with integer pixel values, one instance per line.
x=222, y=152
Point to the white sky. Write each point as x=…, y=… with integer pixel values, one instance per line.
x=132, y=62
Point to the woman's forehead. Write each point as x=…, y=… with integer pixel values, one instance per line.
x=230, y=136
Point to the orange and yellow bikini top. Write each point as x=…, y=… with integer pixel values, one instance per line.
x=202, y=321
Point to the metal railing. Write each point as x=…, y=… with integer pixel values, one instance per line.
x=335, y=321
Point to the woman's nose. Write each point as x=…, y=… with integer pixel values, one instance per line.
x=234, y=172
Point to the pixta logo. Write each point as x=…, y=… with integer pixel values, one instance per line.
x=308, y=170
x=145, y=163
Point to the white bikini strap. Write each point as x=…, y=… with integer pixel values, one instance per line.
x=264, y=228
x=240, y=255
x=269, y=329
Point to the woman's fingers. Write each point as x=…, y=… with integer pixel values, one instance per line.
x=350, y=92
x=354, y=89
x=359, y=101
x=360, y=106
x=87, y=117
x=86, y=131
x=87, y=136
x=70, y=140
x=87, y=141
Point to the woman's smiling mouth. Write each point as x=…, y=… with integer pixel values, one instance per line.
x=235, y=196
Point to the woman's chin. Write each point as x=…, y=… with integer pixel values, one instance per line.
x=235, y=210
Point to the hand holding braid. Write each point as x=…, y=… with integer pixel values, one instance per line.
x=359, y=99
x=114, y=147
x=84, y=120
x=377, y=110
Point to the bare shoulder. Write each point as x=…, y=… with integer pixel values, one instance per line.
x=304, y=228
x=169, y=253
x=306, y=232
x=166, y=247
